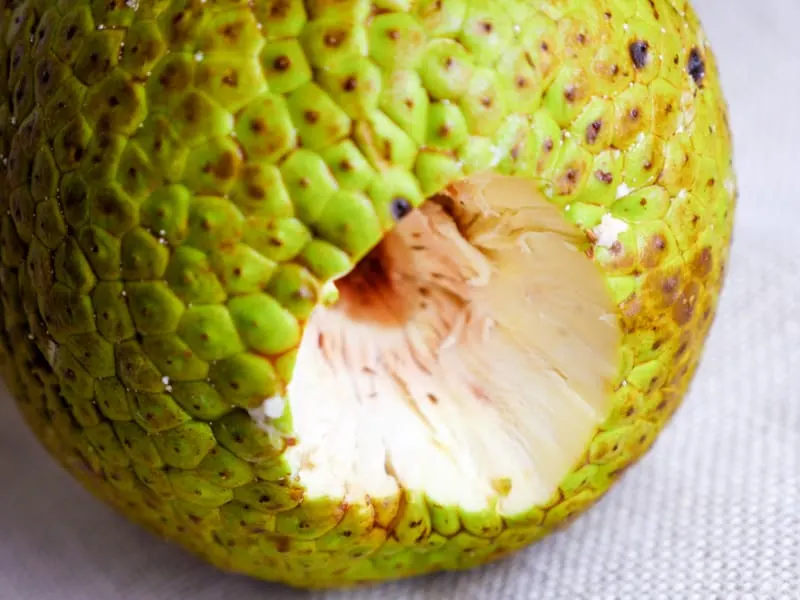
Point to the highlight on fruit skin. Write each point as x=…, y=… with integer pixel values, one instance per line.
x=341, y=291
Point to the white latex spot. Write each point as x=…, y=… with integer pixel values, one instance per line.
x=607, y=232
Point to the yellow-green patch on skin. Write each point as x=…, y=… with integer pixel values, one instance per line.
x=180, y=178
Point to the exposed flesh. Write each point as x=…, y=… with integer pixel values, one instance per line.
x=469, y=357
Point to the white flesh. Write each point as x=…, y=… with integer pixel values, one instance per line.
x=477, y=377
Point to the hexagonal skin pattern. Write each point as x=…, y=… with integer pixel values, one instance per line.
x=180, y=177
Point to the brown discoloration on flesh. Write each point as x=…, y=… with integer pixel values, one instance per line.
x=371, y=292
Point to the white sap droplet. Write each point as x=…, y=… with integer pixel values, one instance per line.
x=274, y=407
x=607, y=232
x=623, y=190
x=730, y=186
x=52, y=348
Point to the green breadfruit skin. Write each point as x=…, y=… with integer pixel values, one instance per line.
x=179, y=178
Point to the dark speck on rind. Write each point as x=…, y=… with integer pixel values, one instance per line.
x=334, y=38
x=282, y=63
x=639, y=51
x=593, y=130
x=400, y=207
x=696, y=66
x=350, y=84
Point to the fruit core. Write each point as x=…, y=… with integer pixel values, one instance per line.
x=469, y=357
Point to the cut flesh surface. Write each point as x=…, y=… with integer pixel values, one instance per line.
x=469, y=357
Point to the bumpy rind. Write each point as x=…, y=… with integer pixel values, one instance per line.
x=179, y=177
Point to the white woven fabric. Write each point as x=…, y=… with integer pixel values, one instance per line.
x=712, y=512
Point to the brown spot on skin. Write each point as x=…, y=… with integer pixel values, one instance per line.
x=311, y=116
x=192, y=108
x=281, y=63
x=632, y=307
x=604, y=176
x=616, y=248
x=393, y=34
x=350, y=84
x=669, y=287
x=593, y=131
x=231, y=79
x=168, y=76
x=225, y=167
x=570, y=93
x=634, y=114
x=696, y=67
x=703, y=263
x=400, y=207
x=639, y=53
x=280, y=9
x=257, y=126
x=521, y=82
x=654, y=250
x=683, y=308
x=581, y=37
x=231, y=31
x=334, y=38
x=548, y=145
x=486, y=102
x=449, y=62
